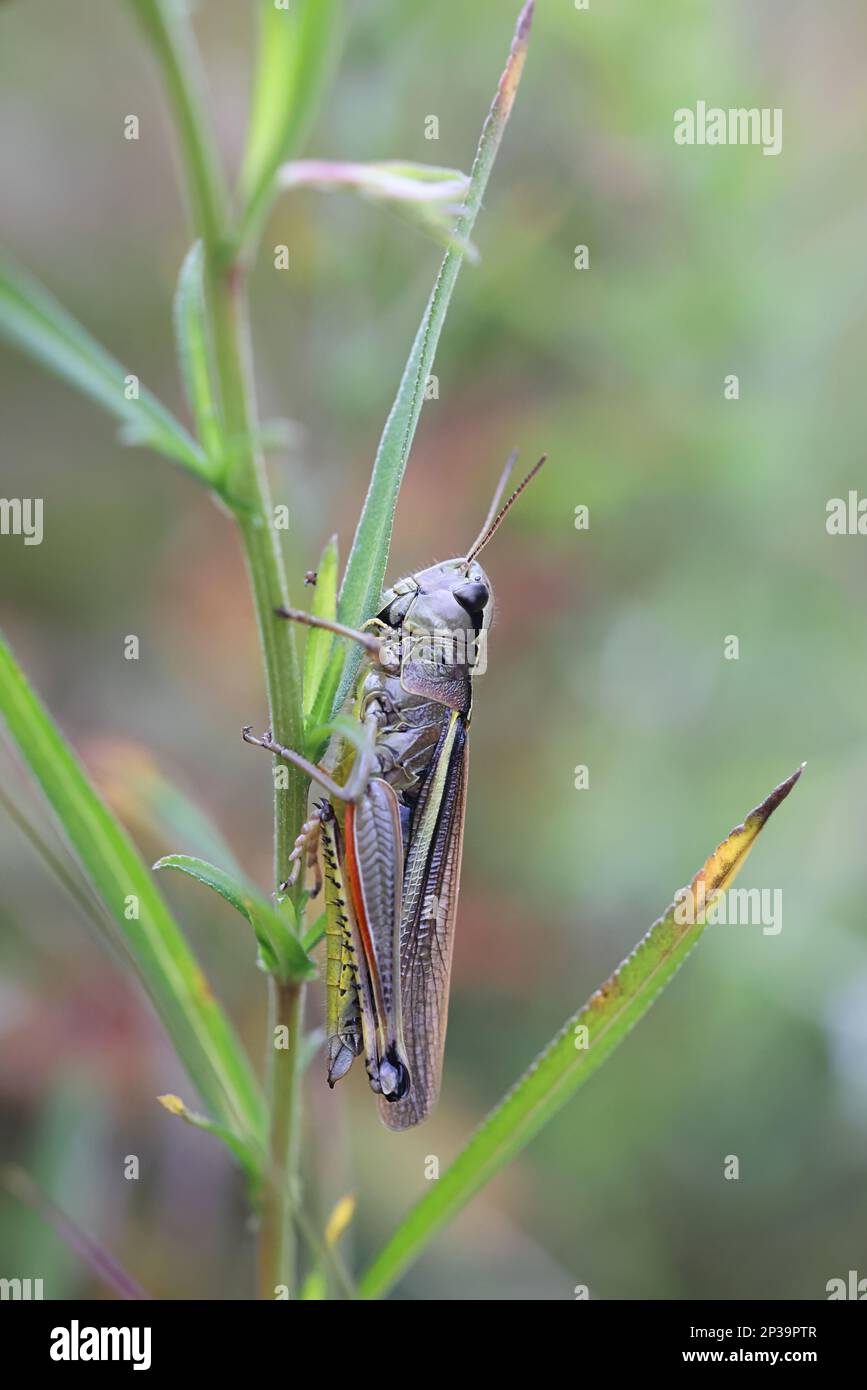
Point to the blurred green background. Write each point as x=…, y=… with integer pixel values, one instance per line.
x=707, y=518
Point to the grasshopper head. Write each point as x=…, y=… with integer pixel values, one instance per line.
x=444, y=611
x=453, y=596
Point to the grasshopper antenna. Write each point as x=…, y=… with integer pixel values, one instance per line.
x=494, y=517
x=498, y=496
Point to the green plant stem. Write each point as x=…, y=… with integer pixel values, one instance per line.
x=245, y=487
x=277, y=1241
x=174, y=48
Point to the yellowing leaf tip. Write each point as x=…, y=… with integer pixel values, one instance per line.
x=173, y=1104
x=508, y=84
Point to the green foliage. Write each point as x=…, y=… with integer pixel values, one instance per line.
x=202, y=1035
x=280, y=951
x=194, y=357
x=319, y=642
x=427, y=195
x=297, y=47
x=38, y=326
x=250, y=1159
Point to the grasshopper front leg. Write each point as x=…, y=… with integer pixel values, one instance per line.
x=380, y=648
x=358, y=778
x=371, y=644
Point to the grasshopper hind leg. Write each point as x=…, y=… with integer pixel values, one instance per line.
x=343, y=1017
x=347, y=1041
x=306, y=842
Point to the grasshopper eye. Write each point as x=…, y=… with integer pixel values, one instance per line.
x=472, y=598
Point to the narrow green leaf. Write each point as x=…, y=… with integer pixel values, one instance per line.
x=202, y=1035
x=350, y=730
x=427, y=196
x=249, y=1159
x=69, y=876
x=34, y=322
x=326, y=699
x=584, y=1042
x=194, y=355
x=319, y=643
x=281, y=952
x=387, y=179
x=297, y=48
x=365, y=570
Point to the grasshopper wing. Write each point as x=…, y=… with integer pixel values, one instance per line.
x=430, y=899
x=374, y=859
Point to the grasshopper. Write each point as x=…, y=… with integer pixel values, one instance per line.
x=390, y=826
